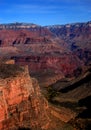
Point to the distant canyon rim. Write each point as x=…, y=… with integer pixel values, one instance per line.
x=64, y=49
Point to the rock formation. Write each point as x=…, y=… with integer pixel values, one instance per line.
x=44, y=48
x=21, y=104
x=57, y=64
x=62, y=50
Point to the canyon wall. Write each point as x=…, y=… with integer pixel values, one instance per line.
x=57, y=64
x=60, y=48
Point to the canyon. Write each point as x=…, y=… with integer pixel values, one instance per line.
x=22, y=106
x=47, y=47
x=57, y=61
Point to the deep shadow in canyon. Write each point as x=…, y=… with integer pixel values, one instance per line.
x=76, y=84
x=87, y=103
x=24, y=128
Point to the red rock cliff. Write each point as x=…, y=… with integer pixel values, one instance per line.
x=21, y=103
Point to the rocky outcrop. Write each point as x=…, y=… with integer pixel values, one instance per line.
x=21, y=103
x=23, y=107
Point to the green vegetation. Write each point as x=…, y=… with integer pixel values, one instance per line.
x=67, y=127
x=9, y=70
x=51, y=93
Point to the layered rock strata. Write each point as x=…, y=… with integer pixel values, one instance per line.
x=21, y=103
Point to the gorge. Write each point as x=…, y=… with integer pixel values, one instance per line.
x=42, y=69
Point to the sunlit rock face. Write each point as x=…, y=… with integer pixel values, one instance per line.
x=21, y=103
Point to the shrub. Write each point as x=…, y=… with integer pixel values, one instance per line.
x=51, y=94
x=9, y=70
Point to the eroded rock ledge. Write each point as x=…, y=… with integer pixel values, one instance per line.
x=21, y=103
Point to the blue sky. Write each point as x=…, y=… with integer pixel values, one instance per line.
x=45, y=12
